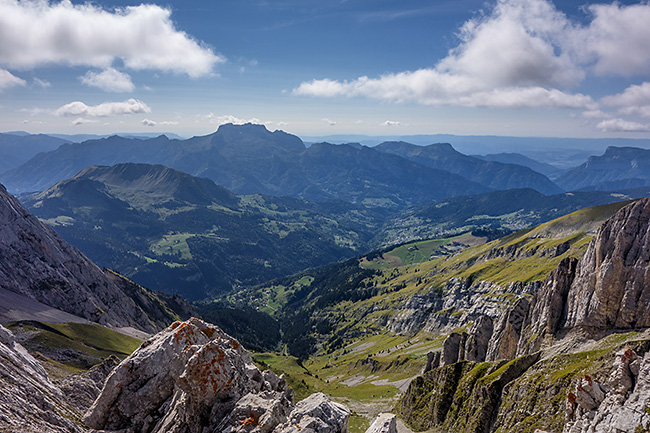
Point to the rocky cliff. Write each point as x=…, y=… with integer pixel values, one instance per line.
x=38, y=264
x=607, y=289
x=577, y=317
x=620, y=404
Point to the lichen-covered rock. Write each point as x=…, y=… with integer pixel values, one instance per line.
x=189, y=376
x=29, y=403
x=194, y=378
x=316, y=414
x=384, y=423
x=620, y=406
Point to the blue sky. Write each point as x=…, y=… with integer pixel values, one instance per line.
x=376, y=67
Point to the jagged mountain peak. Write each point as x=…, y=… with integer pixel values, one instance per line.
x=248, y=134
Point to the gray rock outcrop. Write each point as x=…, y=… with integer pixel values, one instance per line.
x=452, y=348
x=607, y=289
x=194, y=378
x=81, y=390
x=618, y=406
x=316, y=414
x=612, y=284
x=384, y=423
x=29, y=402
x=39, y=265
x=507, y=332
x=478, y=339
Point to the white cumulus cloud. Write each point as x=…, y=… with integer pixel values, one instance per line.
x=229, y=118
x=148, y=122
x=391, y=123
x=82, y=121
x=40, y=32
x=78, y=108
x=520, y=53
x=329, y=122
x=621, y=125
x=616, y=40
x=8, y=80
x=109, y=80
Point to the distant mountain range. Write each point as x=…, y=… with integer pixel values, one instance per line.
x=16, y=149
x=171, y=231
x=181, y=234
x=563, y=153
x=618, y=167
x=249, y=159
x=517, y=158
x=494, y=175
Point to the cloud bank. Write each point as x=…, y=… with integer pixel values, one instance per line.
x=142, y=37
x=77, y=108
x=521, y=53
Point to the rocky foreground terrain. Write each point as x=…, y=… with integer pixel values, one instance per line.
x=190, y=377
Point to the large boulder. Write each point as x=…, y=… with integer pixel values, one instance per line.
x=194, y=378
x=316, y=414
x=384, y=423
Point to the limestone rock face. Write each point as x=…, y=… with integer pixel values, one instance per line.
x=433, y=361
x=507, y=332
x=612, y=284
x=452, y=348
x=548, y=307
x=617, y=406
x=38, y=264
x=316, y=414
x=384, y=423
x=194, y=378
x=81, y=390
x=29, y=403
x=478, y=339
x=463, y=301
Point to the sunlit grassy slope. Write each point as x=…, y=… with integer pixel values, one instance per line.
x=76, y=345
x=342, y=310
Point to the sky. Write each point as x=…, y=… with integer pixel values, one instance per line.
x=319, y=67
